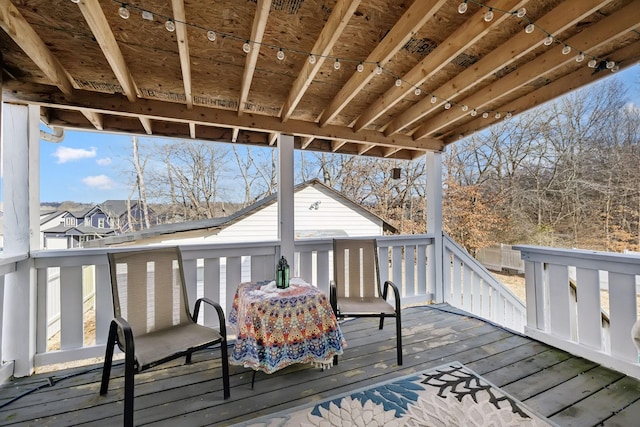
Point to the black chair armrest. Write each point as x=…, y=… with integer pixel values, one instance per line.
x=218, y=307
x=396, y=293
x=128, y=346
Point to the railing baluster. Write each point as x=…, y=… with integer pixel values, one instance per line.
x=71, y=311
x=559, y=308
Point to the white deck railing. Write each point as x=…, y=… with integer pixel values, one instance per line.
x=470, y=286
x=575, y=323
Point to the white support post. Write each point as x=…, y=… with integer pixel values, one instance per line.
x=434, y=220
x=21, y=180
x=286, y=222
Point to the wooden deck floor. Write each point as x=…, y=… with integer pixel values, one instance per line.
x=569, y=390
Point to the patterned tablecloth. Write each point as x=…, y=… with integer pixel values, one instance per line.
x=279, y=327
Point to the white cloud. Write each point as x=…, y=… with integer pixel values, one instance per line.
x=66, y=154
x=101, y=182
x=104, y=161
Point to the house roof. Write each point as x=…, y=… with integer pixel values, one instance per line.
x=116, y=207
x=354, y=76
x=79, y=229
x=223, y=222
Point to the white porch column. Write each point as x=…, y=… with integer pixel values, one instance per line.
x=286, y=232
x=21, y=202
x=434, y=219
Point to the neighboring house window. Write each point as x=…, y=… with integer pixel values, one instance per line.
x=70, y=221
x=87, y=220
x=100, y=222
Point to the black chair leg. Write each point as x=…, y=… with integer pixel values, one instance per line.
x=129, y=372
x=225, y=369
x=399, y=338
x=108, y=359
x=381, y=321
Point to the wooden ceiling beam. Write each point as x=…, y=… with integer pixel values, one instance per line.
x=625, y=57
x=93, y=14
x=416, y=16
x=273, y=138
x=16, y=27
x=234, y=134
x=610, y=28
x=337, y=144
x=117, y=105
x=363, y=148
x=146, y=124
x=342, y=12
x=94, y=118
x=192, y=130
x=390, y=151
x=562, y=17
x=306, y=141
x=467, y=34
x=183, y=48
x=257, y=34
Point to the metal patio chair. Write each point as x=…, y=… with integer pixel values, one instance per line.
x=356, y=290
x=152, y=323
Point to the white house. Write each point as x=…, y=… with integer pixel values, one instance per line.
x=319, y=211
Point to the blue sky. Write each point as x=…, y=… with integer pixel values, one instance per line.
x=90, y=167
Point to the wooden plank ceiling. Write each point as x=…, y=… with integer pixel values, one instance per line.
x=387, y=78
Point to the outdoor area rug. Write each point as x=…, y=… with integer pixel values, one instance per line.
x=449, y=395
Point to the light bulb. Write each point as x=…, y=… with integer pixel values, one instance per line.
x=548, y=40
x=566, y=50
x=485, y=115
x=312, y=59
x=610, y=64
x=417, y=91
x=580, y=57
x=447, y=105
x=462, y=7
x=498, y=115
x=434, y=99
x=473, y=112
x=615, y=68
x=529, y=28
x=75, y=1
x=378, y=70
x=592, y=63
x=521, y=12
x=336, y=64
x=398, y=82
x=508, y=116
x=280, y=55
x=464, y=108
x=170, y=26
x=488, y=16
x=360, y=67
x=211, y=35
x=123, y=12
x=246, y=47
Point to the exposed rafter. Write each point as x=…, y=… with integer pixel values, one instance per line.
x=413, y=19
x=257, y=33
x=94, y=118
x=146, y=124
x=96, y=20
x=192, y=130
x=306, y=141
x=183, y=48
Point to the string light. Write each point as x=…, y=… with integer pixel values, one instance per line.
x=170, y=26
x=508, y=116
x=75, y=1
x=123, y=11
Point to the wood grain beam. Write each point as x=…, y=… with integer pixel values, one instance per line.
x=467, y=34
x=336, y=145
x=16, y=27
x=183, y=48
x=390, y=151
x=118, y=105
x=234, y=134
x=590, y=39
x=342, y=12
x=273, y=138
x=146, y=124
x=94, y=118
x=416, y=16
x=192, y=130
x=625, y=57
x=93, y=14
x=557, y=20
x=306, y=141
x=257, y=34
x=363, y=148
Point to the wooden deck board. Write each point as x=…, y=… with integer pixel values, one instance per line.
x=552, y=382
